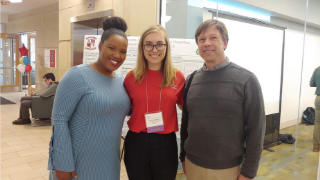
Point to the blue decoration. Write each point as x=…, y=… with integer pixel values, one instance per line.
x=26, y=60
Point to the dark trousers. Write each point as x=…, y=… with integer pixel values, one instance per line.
x=25, y=104
x=151, y=156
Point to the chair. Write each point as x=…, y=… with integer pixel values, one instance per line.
x=42, y=106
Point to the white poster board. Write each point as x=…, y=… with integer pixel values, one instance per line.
x=50, y=58
x=91, y=48
x=184, y=54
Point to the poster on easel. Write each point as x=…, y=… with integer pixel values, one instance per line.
x=91, y=48
x=184, y=54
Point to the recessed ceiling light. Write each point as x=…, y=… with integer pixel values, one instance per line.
x=15, y=1
x=5, y=2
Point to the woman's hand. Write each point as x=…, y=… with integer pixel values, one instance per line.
x=184, y=168
x=61, y=175
x=241, y=177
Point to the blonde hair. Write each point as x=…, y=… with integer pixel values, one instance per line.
x=168, y=71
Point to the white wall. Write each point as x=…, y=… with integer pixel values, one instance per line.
x=185, y=19
x=4, y=18
x=194, y=19
x=3, y=28
x=311, y=61
x=292, y=8
x=292, y=70
x=176, y=27
x=293, y=53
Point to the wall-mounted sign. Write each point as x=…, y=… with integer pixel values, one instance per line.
x=91, y=4
x=50, y=58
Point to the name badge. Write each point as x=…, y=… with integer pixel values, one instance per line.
x=154, y=122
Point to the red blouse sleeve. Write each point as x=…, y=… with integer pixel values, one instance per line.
x=180, y=93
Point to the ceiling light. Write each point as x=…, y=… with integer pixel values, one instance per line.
x=5, y=2
x=15, y=1
x=212, y=4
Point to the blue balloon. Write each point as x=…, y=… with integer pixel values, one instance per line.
x=26, y=60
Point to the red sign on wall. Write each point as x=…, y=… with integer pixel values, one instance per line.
x=53, y=58
x=50, y=58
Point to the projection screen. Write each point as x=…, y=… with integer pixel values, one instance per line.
x=258, y=49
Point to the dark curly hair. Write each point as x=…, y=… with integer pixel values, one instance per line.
x=113, y=25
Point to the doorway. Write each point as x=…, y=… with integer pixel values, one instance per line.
x=29, y=80
x=9, y=60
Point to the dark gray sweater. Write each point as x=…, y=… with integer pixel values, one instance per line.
x=315, y=80
x=226, y=121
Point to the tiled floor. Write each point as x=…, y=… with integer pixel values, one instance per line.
x=278, y=165
x=24, y=151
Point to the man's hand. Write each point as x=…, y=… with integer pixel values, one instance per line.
x=184, y=168
x=243, y=178
x=61, y=175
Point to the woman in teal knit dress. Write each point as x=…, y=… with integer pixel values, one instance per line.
x=89, y=109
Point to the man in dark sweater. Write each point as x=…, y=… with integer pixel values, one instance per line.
x=315, y=82
x=223, y=121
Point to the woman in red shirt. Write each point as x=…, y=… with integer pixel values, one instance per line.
x=154, y=87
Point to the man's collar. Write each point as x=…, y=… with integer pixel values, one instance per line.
x=219, y=66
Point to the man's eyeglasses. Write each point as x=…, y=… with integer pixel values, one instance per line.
x=149, y=47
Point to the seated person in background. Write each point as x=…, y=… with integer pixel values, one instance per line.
x=25, y=102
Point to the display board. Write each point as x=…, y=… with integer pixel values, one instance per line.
x=91, y=48
x=258, y=49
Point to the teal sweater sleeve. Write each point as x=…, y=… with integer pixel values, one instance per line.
x=69, y=93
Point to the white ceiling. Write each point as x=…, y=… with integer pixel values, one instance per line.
x=26, y=5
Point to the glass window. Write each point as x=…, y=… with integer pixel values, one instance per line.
x=33, y=62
